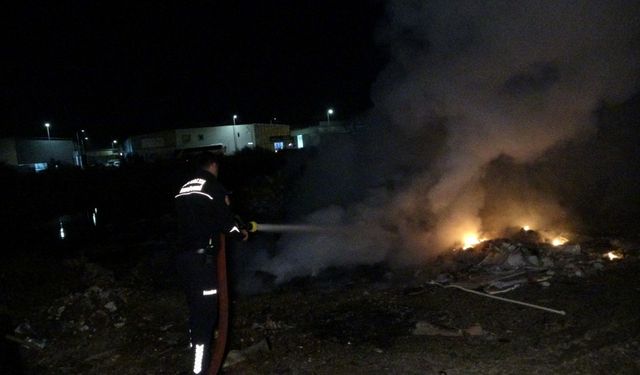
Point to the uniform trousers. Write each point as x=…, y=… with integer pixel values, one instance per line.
x=197, y=270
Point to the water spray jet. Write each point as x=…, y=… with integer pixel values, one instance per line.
x=288, y=228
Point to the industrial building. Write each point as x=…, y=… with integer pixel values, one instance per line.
x=227, y=139
x=313, y=135
x=38, y=154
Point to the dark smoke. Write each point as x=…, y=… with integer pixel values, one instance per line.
x=479, y=100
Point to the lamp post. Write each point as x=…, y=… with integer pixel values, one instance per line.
x=47, y=126
x=235, y=141
x=329, y=113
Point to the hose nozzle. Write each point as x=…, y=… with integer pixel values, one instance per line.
x=252, y=227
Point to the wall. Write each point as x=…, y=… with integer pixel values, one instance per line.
x=32, y=151
x=152, y=146
x=8, y=153
x=265, y=132
x=214, y=135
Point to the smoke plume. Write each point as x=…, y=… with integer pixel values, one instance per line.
x=475, y=93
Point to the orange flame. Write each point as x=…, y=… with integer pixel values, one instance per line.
x=559, y=241
x=613, y=255
x=470, y=240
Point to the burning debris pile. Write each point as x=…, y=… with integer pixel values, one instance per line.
x=502, y=265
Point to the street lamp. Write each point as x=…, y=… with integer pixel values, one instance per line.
x=114, y=143
x=47, y=125
x=235, y=141
x=329, y=113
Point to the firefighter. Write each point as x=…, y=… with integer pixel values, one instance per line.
x=202, y=206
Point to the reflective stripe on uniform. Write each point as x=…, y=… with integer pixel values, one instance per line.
x=194, y=192
x=209, y=292
x=197, y=362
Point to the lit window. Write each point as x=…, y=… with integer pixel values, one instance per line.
x=278, y=145
x=40, y=166
x=300, y=141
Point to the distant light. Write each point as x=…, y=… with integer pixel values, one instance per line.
x=526, y=228
x=115, y=142
x=235, y=117
x=94, y=218
x=86, y=138
x=121, y=154
x=250, y=143
x=46, y=125
x=330, y=111
x=62, y=235
x=82, y=130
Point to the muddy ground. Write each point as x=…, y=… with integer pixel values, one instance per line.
x=88, y=314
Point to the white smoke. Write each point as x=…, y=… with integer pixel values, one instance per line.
x=495, y=78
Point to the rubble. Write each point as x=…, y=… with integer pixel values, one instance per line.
x=26, y=336
x=236, y=356
x=88, y=311
x=428, y=329
x=502, y=265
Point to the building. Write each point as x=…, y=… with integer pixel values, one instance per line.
x=108, y=157
x=38, y=154
x=227, y=139
x=312, y=135
x=151, y=146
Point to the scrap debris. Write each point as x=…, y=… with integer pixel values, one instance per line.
x=429, y=329
x=501, y=298
x=503, y=265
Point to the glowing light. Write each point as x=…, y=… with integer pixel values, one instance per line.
x=470, y=240
x=613, y=255
x=62, y=234
x=526, y=228
x=559, y=241
x=95, y=219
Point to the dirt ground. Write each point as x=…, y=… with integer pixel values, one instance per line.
x=124, y=319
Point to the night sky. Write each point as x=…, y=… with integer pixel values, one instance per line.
x=121, y=68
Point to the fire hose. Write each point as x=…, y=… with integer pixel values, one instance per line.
x=217, y=352
x=218, y=349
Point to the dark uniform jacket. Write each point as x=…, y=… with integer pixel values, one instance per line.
x=202, y=211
